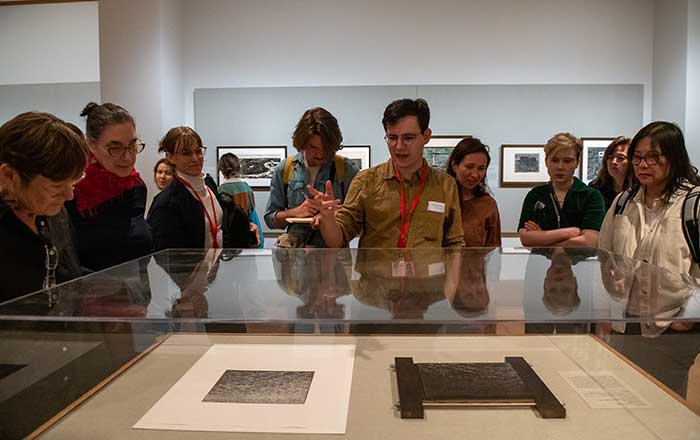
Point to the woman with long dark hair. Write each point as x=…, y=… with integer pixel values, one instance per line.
x=648, y=226
x=613, y=177
x=481, y=221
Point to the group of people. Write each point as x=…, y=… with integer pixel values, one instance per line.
x=71, y=202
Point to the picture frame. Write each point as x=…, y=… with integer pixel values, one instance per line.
x=437, y=151
x=360, y=154
x=522, y=166
x=592, y=156
x=257, y=163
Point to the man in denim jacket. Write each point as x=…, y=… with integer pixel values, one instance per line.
x=317, y=137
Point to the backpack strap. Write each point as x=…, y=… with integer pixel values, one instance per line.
x=689, y=222
x=337, y=170
x=340, y=168
x=624, y=198
x=288, y=170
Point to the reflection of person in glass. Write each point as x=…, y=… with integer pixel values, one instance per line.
x=318, y=278
x=471, y=297
x=405, y=283
x=560, y=286
x=193, y=274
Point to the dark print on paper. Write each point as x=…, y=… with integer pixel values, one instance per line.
x=258, y=167
x=437, y=157
x=595, y=161
x=248, y=386
x=527, y=163
x=357, y=162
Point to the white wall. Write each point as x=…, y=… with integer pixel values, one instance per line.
x=365, y=42
x=692, y=114
x=52, y=43
x=140, y=64
x=171, y=41
x=669, y=68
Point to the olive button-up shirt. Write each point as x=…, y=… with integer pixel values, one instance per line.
x=372, y=209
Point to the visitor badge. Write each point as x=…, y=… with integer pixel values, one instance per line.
x=402, y=269
x=436, y=269
x=436, y=207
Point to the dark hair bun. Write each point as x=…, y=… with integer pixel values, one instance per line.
x=88, y=109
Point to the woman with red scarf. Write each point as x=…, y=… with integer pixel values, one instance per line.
x=109, y=205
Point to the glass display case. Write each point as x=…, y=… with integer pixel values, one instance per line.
x=614, y=339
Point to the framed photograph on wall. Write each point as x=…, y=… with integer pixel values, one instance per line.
x=522, y=166
x=437, y=151
x=592, y=156
x=257, y=163
x=360, y=154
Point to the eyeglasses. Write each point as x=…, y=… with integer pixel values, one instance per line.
x=50, y=263
x=618, y=158
x=650, y=158
x=119, y=150
x=197, y=152
x=408, y=139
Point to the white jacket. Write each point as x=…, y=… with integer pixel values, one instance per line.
x=656, y=293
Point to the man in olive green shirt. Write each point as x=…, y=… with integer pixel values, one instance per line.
x=402, y=203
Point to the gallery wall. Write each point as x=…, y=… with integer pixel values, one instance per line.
x=52, y=43
x=184, y=45
x=497, y=114
x=253, y=43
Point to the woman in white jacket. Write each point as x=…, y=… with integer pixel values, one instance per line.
x=649, y=227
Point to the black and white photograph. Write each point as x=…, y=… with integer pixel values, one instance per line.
x=257, y=163
x=592, y=156
x=361, y=155
x=522, y=166
x=250, y=386
x=527, y=163
x=437, y=151
x=283, y=388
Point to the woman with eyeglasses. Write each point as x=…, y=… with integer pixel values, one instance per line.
x=189, y=212
x=648, y=226
x=480, y=219
x=613, y=177
x=109, y=205
x=41, y=159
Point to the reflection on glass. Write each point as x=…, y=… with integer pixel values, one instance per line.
x=471, y=297
x=560, y=286
x=318, y=279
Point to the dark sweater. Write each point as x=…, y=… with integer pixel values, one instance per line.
x=177, y=219
x=23, y=252
x=113, y=232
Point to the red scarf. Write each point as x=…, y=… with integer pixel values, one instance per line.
x=100, y=185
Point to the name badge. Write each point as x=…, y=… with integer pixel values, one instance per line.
x=402, y=269
x=436, y=207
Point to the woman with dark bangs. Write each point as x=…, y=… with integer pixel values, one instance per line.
x=613, y=177
x=41, y=160
x=481, y=221
x=110, y=203
x=648, y=227
x=189, y=212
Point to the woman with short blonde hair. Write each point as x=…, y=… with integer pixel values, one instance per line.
x=564, y=211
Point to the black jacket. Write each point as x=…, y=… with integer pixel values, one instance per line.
x=114, y=232
x=23, y=253
x=177, y=219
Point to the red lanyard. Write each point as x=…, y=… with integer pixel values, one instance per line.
x=213, y=224
x=406, y=218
